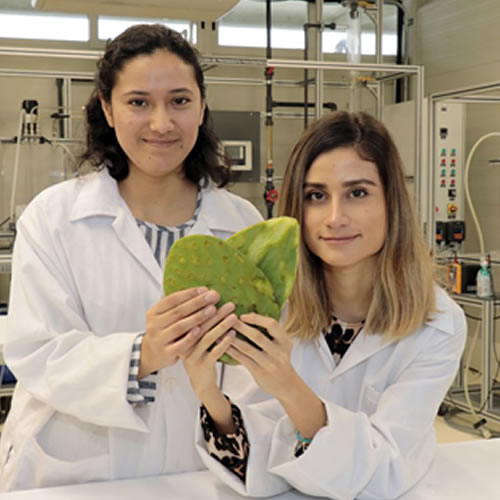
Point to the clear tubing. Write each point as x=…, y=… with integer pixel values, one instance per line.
x=467, y=188
x=354, y=56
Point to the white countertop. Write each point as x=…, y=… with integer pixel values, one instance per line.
x=461, y=471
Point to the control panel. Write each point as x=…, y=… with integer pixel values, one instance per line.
x=449, y=162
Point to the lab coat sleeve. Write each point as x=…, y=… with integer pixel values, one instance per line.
x=49, y=346
x=381, y=455
x=262, y=418
x=355, y=455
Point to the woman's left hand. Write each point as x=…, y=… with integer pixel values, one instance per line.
x=271, y=366
x=273, y=371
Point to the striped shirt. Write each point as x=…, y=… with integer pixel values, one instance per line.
x=160, y=239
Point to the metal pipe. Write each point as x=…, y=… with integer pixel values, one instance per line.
x=465, y=91
x=215, y=80
x=270, y=193
x=290, y=63
x=380, y=31
x=297, y=104
x=45, y=73
x=68, y=132
x=71, y=53
x=306, y=75
x=60, y=105
x=319, y=57
x=306, y=28
x=400, y=83
x=222, y=60
x=380, y=101
x=419, y=167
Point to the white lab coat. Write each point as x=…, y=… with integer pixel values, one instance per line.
x=381, y=401
x=83, y=279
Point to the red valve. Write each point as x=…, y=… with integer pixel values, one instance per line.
x=272, y=196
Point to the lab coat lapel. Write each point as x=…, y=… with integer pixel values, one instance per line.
x=136, y=244
x=217, y=216
x=366, y=345
x=201, y=227
x=99, y=197
x=363, y=347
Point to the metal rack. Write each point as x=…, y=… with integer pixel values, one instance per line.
x=380, y=72
x=485, y=396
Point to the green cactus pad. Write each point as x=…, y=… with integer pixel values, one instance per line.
x=201, y=260
x=255, y=268
x=272, y=246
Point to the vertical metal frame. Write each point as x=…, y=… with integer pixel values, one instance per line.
x=487, y=306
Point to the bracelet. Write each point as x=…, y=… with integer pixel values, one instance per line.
x=302, y=439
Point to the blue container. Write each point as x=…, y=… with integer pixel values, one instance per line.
x=8, y=376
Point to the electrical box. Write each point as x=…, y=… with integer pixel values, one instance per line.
x=461, y=277
x=449, y=161
x=239, y=132
x=240, y=154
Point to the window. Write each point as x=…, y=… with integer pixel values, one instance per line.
x=110, y=27
x=333, y=41
x=41, y=26
x=245, y=26
x=253, y=36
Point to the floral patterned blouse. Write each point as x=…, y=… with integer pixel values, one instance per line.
x=232, y=450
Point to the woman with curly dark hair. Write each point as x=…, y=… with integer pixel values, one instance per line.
x=101, y=392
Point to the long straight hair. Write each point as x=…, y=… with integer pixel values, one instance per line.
x=403, y=290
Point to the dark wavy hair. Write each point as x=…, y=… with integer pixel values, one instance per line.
x=204, y=162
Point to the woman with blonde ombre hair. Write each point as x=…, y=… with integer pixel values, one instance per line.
x=403, y=285
x=369, y=346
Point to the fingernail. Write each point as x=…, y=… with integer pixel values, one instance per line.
x=211, y=296
x=201, y=290
x=209, y=310
x=229, y=306
x=195, y=331
x=232, y=333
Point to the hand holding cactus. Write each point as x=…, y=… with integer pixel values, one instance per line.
x=267, y=359
x=199, y=360
x=173, y=327
x=255, y=268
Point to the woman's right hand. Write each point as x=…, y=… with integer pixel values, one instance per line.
x=199, y=361
x=173, y=327
x=217, y=335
